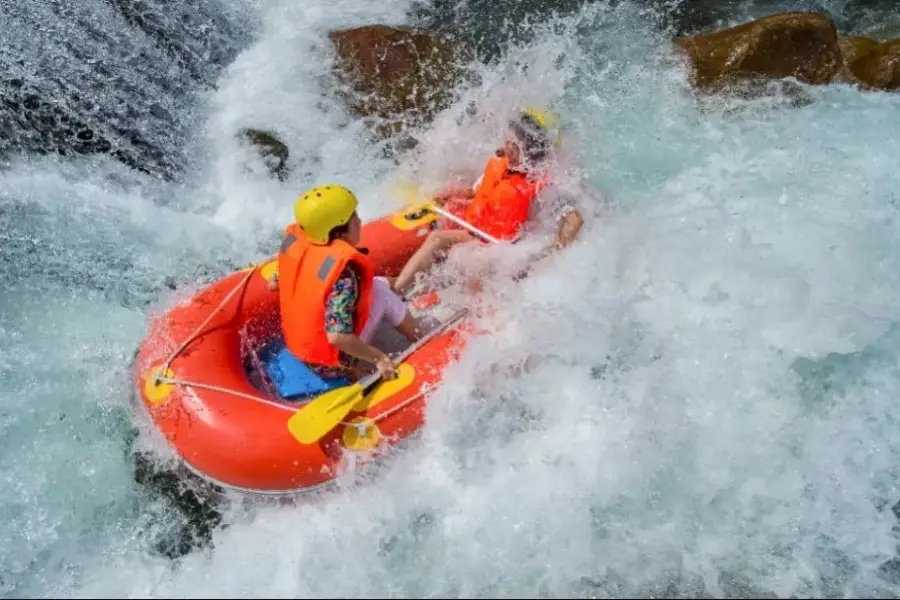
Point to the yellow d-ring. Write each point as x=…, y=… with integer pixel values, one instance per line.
x=268, y=270
x=361, y=434
x=157, y=392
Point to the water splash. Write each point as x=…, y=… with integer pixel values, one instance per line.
x=707, y=411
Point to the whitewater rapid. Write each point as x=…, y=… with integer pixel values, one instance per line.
x=712, y=416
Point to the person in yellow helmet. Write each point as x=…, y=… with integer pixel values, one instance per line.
x=500, y=202
x=331, y=302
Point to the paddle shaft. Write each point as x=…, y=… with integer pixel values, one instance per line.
x=463, y=223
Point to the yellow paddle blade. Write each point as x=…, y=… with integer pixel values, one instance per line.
x=407, y=193
x=312, y=422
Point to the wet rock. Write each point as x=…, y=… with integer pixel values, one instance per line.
x=797, y=44
x=688, y=18
x=398, y=77
x=194, y=505
x=199, y=36
x=878, y=69
x=890, y=571
x=855, y=46
x=50, y=128
x=114, y=77
x=489, y=26
x=852, y=48
x=877, y=19
x=44, y=121
x=273, y=151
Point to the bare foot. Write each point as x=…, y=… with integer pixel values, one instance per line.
x=392, y=284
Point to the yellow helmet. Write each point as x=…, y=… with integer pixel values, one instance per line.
x=537, y=115
x=323, y=208
x=547, y=121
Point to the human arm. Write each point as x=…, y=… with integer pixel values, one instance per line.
x=570, y=226
x=352, y=345
x=339, y=314
x=569, y=208
x=459, y=191
x=454, y=192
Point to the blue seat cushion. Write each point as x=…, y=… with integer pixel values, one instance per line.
x=293, y=379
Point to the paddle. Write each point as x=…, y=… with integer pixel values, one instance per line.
x=314, y=420
x=417, y=196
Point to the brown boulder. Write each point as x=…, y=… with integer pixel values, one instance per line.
x=852, y=48
x=879, y=68
x=397, y=76
x=796, y=44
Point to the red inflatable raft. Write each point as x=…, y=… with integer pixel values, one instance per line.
x=204, y=376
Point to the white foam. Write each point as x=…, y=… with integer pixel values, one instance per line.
x=665, y=438
x=281, y=85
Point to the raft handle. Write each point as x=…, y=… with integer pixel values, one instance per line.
x=415, y=216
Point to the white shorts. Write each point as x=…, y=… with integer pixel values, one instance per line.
x=385, y=304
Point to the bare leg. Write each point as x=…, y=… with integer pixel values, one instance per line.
x=437, y=242
x=409, y=327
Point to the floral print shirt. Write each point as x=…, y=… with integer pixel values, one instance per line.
x=340, y=307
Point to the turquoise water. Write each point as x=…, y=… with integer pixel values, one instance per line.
x=713, y=415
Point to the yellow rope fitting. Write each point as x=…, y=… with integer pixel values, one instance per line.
x=361, y=434
x=156, y=390
x=269, y=270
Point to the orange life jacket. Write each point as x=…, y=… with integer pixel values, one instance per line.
x=493, y=171
x=502, y=202
x=306, y=274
